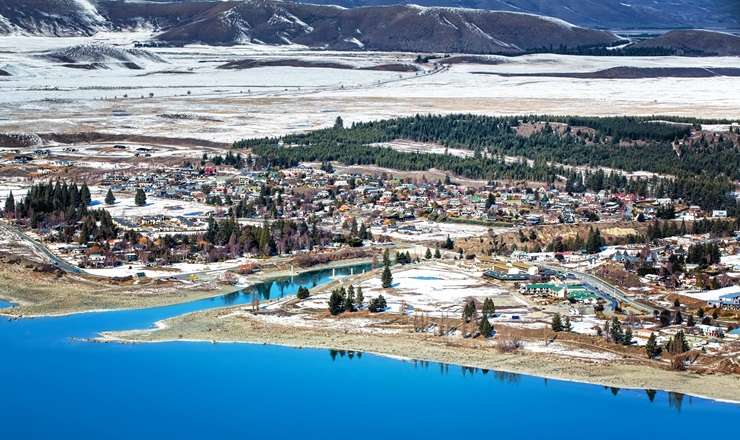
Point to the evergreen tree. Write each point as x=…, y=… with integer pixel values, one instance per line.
x=485, y=327
x=85, y=195
x=469, y=310
x=557, y=323
x=428, y=254
x=651, y=347
x=338, y=123
x=449, y=244
x=377, y=305
x=387, y=277
x=567, y=327
x=302, y=293
x=110, y=198
x=490, y=200
x=665, y=318
x=386, y=257
x=627, y=340
x=690, y=322
x=489, y=308
x=678, y=319
x=349, y=300
x=211, y=231
x=336, y=302
x=359, y=298
x=10, y=205
x=86, y=231
x=264, y=240
x=140, y=197
x=437, y=254
x=678, y=343
x=617, y=335
x=594, y=241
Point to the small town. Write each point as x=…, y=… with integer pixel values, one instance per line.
x=435, y=219
x=627, y=270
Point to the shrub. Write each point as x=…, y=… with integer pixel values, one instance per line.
x=302, y=293
x=377, y=305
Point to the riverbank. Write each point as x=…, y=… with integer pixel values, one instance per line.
x=230, y=325
x=39, y=294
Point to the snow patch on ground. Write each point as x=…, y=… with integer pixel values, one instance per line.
x=178, y=269
x=271, y=101
x=434, y=288
x=422, y=230
x=125, y=206
x=348, y=324
x=559, y=349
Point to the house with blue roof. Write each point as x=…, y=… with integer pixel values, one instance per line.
x=730, y=301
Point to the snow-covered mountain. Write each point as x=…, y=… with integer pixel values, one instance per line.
x=604, y=14
x=405, y=28
x=696, y=42
x=50, y=17
x=101, y=56
x=386, y=28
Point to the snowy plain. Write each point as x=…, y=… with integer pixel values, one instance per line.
x=225, y=105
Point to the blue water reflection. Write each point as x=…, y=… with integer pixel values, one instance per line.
x=56, y=386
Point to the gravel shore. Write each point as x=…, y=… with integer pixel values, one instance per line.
x=223, y=325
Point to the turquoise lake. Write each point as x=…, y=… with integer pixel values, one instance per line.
x=56, y=386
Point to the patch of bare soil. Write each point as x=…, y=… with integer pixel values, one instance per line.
x=539, y=237
x=39, y=289
x=629, y=72
x=94, y=136
x=251, y=63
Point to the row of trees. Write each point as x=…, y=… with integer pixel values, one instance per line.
x=676, y=346
x=64, y=208
x=235, y=160
x=273, y=238
x=428, y=255
x=488, y=310
x=616, y=333
x=559, y=325
x=593, y=243
x=49, y=203
x=704, y=254
x=350, y=299
x=356, y=234
x=703, y=172
x=665, y=229
x=598, y=145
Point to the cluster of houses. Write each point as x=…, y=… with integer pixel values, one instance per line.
x=397, y=199
x=575, y=292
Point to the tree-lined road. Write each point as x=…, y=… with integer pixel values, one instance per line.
x=14, y=234
x=604, y=287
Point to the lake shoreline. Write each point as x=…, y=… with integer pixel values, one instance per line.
x=214, y=327
x=411, y=359
x=102, y=303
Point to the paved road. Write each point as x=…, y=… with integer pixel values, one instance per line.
x=38, y=248
x=605, y=287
